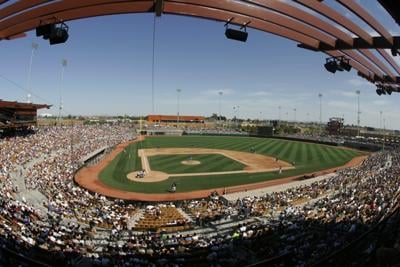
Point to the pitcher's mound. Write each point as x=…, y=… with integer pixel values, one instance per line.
x=151, y=177
x=190, y=162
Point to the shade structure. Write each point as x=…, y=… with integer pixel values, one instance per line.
x=311, y=24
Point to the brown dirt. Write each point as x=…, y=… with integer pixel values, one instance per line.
x=190, y=162
x=150, y=177
x=87, y=177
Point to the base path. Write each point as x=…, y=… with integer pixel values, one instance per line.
x=87, y=177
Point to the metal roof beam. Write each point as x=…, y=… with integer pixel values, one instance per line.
x=195, y=10
x=393, y=8
x=359, y=43
x=71, y=10
x=304, y=17
x=358, y=10
x=335, y=16
x=389, y=59
x=20, y=6
x=255, y=11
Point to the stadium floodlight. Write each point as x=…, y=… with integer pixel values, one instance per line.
x=237, y=35
x=331, y=66
x=55, y=33
x=358, y=111
x=59, y=34
x=344, y=64
x=388, y=89
x=29, y=95
x=334, y=64
x=382, y=89
x=45, y=30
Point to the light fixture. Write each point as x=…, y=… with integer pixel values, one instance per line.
x=59, y=34
x=237, y=35
x=55, y=33
x=331, y=65
x=344, y=64
x=44, y=30
x=334, y=64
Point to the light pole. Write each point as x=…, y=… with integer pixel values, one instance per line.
x=380, y=120
x=177, y=94
x=235, y=114
x=64, y=65
x=384, y=133
x=320, y=111
x=358, y=111
x=320, y=108
x=279, y=113
x=28, y=83
x=219, y=107
x=287, y=118
x=294, y=110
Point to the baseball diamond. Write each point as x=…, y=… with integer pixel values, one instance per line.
x=241, y=158
x=268, y=134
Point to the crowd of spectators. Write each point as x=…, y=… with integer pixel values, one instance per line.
x=306, y=222
x=216, y=131
x=346, y=140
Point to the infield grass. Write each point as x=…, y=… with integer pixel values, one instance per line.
x=208, y=163
x=308, y=157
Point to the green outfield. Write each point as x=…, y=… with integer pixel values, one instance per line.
x=208, y=163
x=308, y=157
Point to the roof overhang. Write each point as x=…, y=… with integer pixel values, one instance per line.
x=311, y=23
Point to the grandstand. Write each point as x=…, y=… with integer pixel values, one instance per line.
x=174, y=119
x=324, y=202
x=18, y=116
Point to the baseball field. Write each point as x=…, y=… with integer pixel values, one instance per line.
x=206, y=162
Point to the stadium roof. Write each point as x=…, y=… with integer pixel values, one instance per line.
x=20, y=105
x=313, y=24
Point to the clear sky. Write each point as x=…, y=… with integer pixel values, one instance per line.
x=109, y=72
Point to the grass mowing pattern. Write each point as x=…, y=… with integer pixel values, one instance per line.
x=308, y=157
x=209, y=163
x=123, y=163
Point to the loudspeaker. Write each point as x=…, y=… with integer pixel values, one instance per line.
x=236, y=35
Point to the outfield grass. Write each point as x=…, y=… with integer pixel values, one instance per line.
x=308, y=157
x=208, y=163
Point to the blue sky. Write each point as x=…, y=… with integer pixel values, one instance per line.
x=109, y=72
